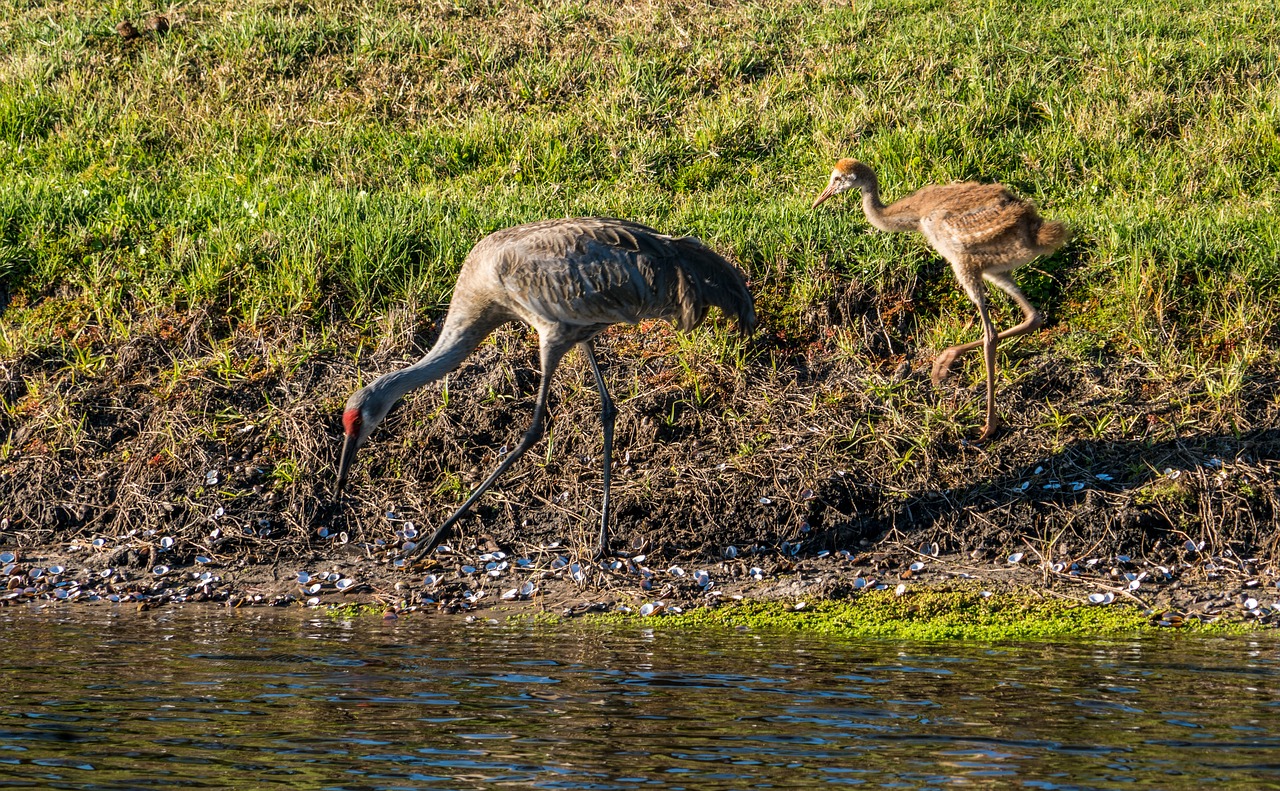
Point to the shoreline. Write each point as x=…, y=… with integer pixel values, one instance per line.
x=819, y=468
x=883, y=593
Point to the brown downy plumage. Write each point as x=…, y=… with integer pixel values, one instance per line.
x=569, y=280
x=126, y=30
x=982, y=230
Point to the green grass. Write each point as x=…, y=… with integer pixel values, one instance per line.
x=927, y=615
x=333, y=160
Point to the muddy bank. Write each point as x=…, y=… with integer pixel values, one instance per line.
x=818, y=461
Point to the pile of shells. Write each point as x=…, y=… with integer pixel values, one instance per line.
x=160, y=584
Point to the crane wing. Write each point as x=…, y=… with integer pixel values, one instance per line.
x=597, y=271
x=983, y=222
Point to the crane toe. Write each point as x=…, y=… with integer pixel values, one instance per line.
x=942, y=365
x=990, y=430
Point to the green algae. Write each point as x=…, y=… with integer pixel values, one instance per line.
x=926, y=615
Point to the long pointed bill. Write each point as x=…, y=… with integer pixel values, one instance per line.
x=826, y=193
x=349, y=447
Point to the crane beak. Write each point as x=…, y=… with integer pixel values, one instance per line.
x=826, y=193
x=349, y=447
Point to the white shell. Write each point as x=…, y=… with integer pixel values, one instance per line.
x=345, y=583
x=166, y=542
x=314, y=601
x=917, y=566
x=160, y=571
x=901, y=589
x=314, y=589
x=56, y=570
x=202, y=559
x=303, y=578
x=1016, y=557
x=528, y=589
x=652, y=608
x=676, y=571
x=1101, y=598
x=7, y=557
x=1251, y=604
x=730, y=552
x=429, y=580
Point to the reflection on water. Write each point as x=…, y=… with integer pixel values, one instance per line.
x=98, y=698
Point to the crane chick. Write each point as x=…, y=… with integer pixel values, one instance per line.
x=569, y=279
x=982, y=230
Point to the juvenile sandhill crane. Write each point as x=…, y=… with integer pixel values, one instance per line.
x=568, y=279
x=982, y=230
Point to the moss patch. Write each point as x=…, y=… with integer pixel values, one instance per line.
x=941, y=615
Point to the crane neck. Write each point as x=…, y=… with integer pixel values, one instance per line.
x=456, y=341
x=874, y=208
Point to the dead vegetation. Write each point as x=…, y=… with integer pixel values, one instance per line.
x=224, y=438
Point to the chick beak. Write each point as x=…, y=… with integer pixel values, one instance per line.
x=826, y=193
x=349, y=446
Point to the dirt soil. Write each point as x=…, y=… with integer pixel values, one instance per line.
x=824, y=463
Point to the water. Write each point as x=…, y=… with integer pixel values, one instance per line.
x=99, y=698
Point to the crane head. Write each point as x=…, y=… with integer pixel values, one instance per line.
x=848, y=174
x=360, y=417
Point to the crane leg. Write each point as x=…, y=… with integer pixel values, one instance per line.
x=1031, y=320
x=990, y=341
x=608, y=412
x=552, y=352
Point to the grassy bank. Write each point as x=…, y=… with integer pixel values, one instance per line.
x=208, y=236
x=336, y=159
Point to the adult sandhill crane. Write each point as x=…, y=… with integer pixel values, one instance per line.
x=569, y=279
x=982, y=230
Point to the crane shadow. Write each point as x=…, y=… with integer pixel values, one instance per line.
x=1088, y=487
